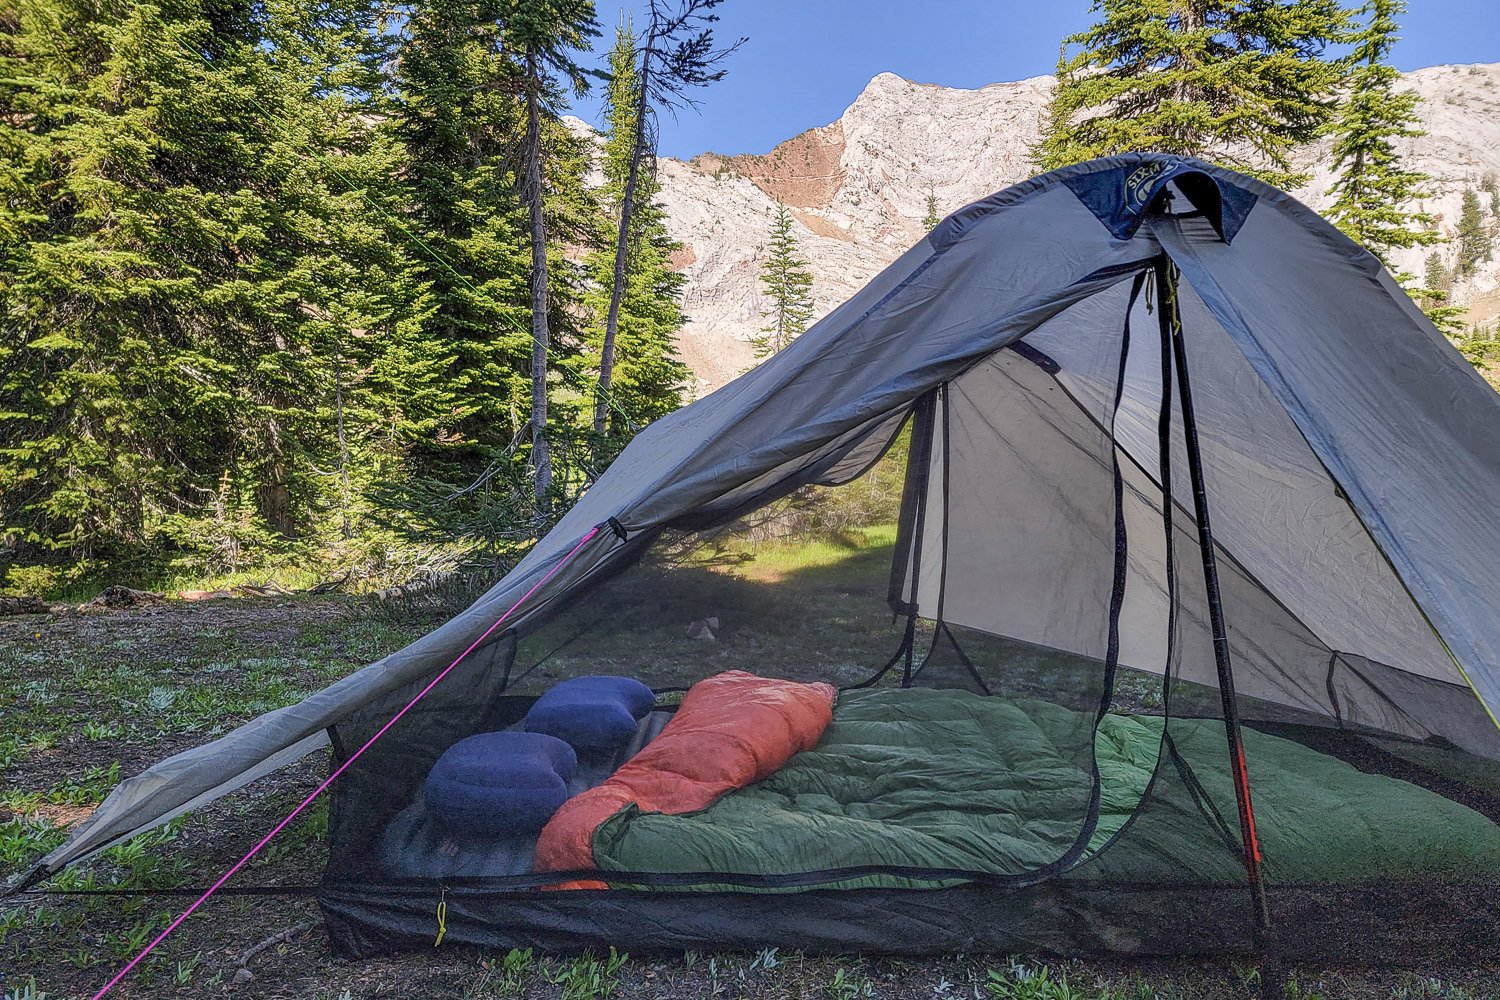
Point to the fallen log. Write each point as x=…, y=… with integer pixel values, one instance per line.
x=124, y=597
x=22, y=606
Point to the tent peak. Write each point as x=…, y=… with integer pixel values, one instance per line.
x=1122, y=191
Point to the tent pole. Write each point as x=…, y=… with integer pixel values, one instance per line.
x=1170, y=319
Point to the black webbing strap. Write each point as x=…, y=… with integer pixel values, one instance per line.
x=940, y=407
x=1170, y=320
x=1201, y=798
x=1117, y=589
x=903, y=652
x=1167, y=750
x=910, y=530
x=923, y=427
x=1168, y=525
x=1122, y=540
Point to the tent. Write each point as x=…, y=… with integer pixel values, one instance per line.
x=1171, y=512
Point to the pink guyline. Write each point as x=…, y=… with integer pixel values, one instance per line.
x=342, y=767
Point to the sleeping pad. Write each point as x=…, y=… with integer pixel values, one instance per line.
x=948, y=779
x=731, y=730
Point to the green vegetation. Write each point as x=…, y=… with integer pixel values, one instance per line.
x=1021, y=983
x=1437, y=283
x=788, y=288
x=541, y=37
x=1238, y=83
x=933, y=217
x=1248, y=85
x=140, y=701
x=838, y=558
x=270, y=274
x=1472, y=237
x=1481, y=345
x=589, y=978
x=677, y=55
x=1372, y=189
x=849, y=984
x=507, y=976
x=640, y=353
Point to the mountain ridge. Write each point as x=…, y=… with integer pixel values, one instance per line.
x=857, y=188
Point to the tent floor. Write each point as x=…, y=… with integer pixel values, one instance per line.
x=1370, y=924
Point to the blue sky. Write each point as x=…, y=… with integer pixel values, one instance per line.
x=806, y=60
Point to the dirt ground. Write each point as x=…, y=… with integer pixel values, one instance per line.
x=86, y=698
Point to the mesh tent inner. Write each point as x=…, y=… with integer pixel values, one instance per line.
x=1005, y=535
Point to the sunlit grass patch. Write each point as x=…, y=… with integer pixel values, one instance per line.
x=830, y=558
x=89, y=789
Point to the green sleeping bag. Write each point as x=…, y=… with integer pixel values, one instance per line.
x=947, y=779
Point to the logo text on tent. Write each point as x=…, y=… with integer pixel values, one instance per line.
x=1138, y=184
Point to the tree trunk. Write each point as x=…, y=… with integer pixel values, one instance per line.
x=274, y=493
x=1188, y=23
x=622, y=244
x=347, y=529
x=541, y=458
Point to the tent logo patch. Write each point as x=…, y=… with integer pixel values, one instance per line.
x=1139, y=184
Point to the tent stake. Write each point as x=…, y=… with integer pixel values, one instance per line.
x=1171, y=326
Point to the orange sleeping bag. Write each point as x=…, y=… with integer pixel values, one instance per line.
x=731, y=730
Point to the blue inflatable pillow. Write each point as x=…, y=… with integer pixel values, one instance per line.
x=593, y=714
x=500, y=784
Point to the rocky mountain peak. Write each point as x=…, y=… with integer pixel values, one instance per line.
x=858, y=188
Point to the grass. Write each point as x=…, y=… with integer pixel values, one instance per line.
x=848, y=559
x=101, y=695
x=587, y=977
x=64, y=588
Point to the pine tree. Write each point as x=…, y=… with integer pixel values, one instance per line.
x=1373, y=190
x=330, y=289
x=1435, y=274
x=678, y=54
x=126, y=400
x=463, y=123
x=1472, y=236
x=1437, y=282
x=646, y=376
x=545, y=34
x=118, y=373
x=1481, y=346
x=214, y=286
x=459, y=125
x=932, y=218
x=1238, y=82
x=788, y=287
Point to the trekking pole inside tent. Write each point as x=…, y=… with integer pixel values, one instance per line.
x=1170, y=319
x=589, y=536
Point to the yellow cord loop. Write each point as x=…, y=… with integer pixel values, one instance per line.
x=442, y=918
